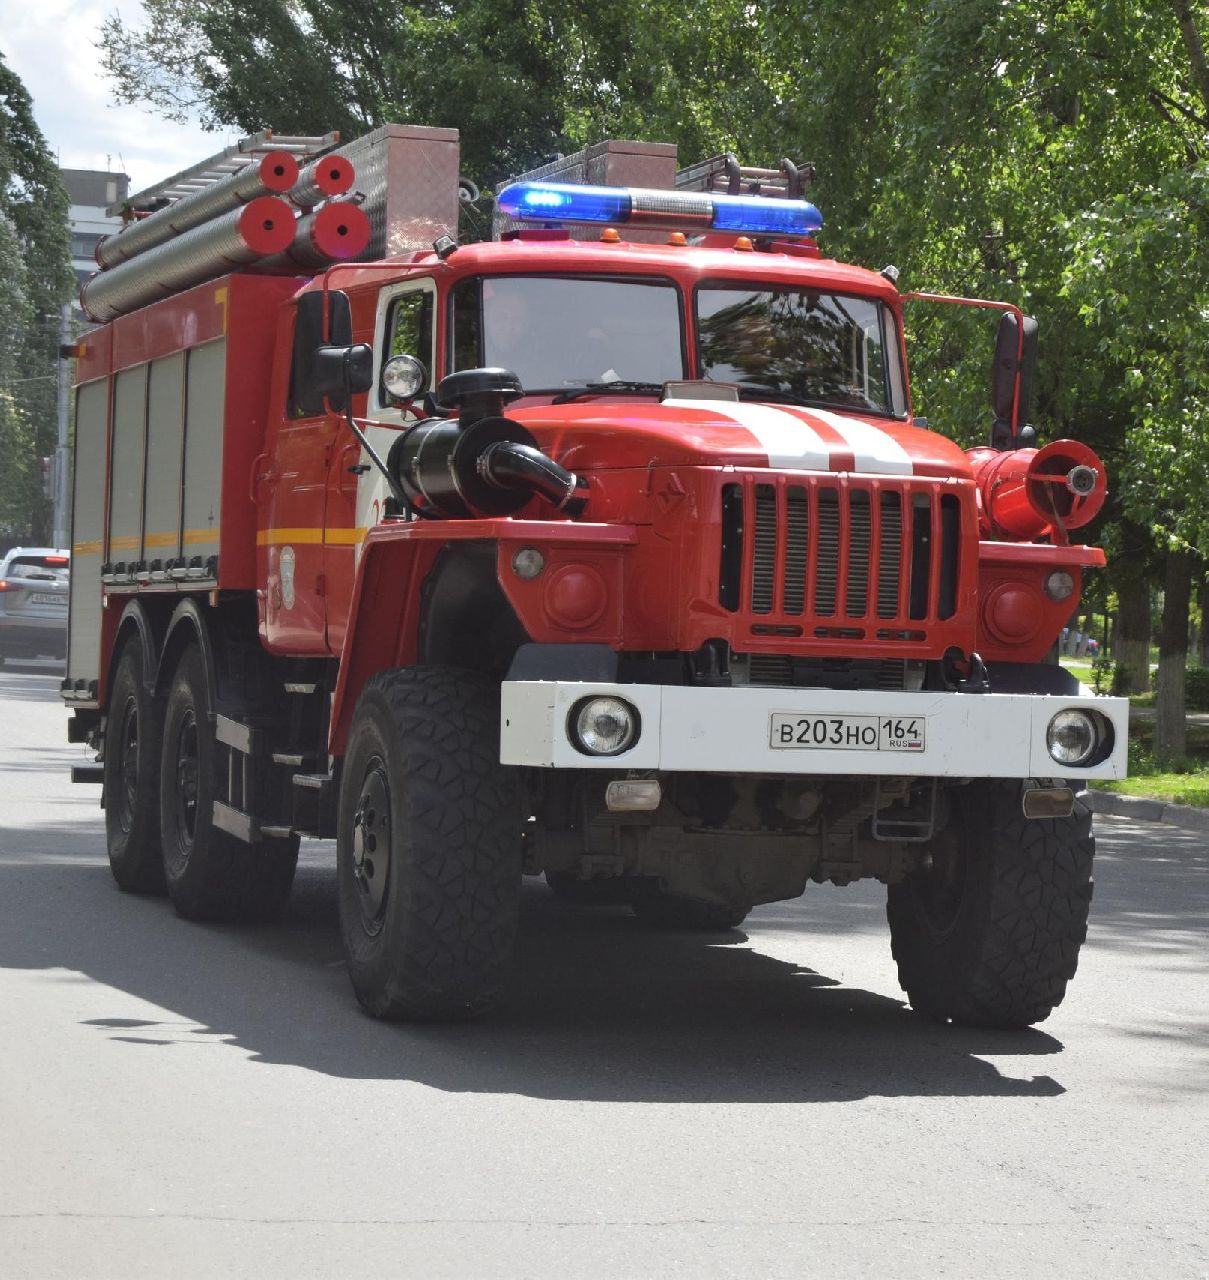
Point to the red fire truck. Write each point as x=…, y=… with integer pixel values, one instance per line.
x=609, y=549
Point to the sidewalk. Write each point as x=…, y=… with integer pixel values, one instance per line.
x=1144, y=809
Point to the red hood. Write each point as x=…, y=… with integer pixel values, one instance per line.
x=642, y=433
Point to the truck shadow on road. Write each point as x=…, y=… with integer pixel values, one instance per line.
x=598, y=1008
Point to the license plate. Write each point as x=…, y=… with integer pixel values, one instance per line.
x=43, y=597
x=789, y=731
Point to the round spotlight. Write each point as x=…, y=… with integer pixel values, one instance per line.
x=1060, y=585
x=603, y=726
x=403, y=378
x=528, y=563
x=1073, y=737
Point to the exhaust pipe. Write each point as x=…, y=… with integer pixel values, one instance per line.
x=509, y=465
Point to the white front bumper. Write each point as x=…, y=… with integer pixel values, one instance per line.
x=966, y=735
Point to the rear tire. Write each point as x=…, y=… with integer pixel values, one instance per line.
x=210, y=874
x=989, y=934
x=660, y=909
x=134, y=730
x=428, y=846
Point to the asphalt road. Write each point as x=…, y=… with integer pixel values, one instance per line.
x=200, y=1101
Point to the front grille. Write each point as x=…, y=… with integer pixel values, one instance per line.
x=830, y=558
x=884, y=674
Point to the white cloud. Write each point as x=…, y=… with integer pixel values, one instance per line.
x=51, y=45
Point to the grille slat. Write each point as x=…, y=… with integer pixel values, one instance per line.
x=827, y=566
x=860, y=538
x=797, y=539
x=889, y=554
x=764, y=546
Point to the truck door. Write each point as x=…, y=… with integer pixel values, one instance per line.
x=405, y=325
x=291, y=495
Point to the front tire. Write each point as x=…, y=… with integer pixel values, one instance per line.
x=210, y=874
x=428, y=846
x=989, y=934
x=134, y=729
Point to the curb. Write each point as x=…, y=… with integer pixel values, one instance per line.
x=1141, y=809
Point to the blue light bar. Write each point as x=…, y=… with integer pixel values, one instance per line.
x=556, y=202
x=762, y=216
x=679, y=210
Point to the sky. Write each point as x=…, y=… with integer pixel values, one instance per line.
x=51, y=45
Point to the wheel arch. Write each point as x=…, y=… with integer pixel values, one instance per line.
x=144, y=626
x=466, y=620
x=187, y=624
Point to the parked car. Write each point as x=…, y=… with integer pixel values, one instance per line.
x=33, y=602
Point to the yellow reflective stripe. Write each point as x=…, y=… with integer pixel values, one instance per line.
x=333, y=538
x=92, y=548
x=124, y=544
x=159, y=540
x=195, y=536
x=345, y=537
x=273, y=537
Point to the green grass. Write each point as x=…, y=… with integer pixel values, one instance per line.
x=1080, y=669
x=1175, y=788
x=1184, y=781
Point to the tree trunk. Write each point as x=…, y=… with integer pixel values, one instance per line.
x=1197, y=61
x=1203, y=601
x=1133, y=633
x=1169, y=733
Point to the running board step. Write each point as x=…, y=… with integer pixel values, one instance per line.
x=236, y=823
x=88, y=773
x=315, y=804
x=245, y=827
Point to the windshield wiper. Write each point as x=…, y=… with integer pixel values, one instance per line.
x=749, y=391
x=597, y=388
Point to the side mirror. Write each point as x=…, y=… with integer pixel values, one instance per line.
x=338, y=372
x=1012, y=365
x=311, y=375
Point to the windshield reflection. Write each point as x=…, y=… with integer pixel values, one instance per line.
x=800, y=345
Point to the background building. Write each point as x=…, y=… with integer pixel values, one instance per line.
x=91, y=192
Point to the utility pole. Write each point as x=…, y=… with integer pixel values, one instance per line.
x=62, y=468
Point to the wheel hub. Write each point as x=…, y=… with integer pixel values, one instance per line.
x=128, y=764
x=371, y=845
x=187, y=773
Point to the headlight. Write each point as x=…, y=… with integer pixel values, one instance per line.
x=603, y=726
x=1073, y=737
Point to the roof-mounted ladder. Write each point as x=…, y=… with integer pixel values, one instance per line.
x=221, y=165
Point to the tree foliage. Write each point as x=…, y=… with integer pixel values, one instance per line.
x=35, y=282
x=1051, y=153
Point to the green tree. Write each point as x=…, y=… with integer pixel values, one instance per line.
x=35, y=282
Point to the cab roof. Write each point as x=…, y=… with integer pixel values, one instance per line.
x=791, y=263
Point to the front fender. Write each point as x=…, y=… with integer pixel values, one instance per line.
x=384, y=615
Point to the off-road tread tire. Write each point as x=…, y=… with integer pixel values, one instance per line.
x=135, y=856
x=223, y=879
x=1014, y=942
x=659, y=909
x=453, y=897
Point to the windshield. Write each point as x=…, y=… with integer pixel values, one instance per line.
x=558, y=332
x=801, y=345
